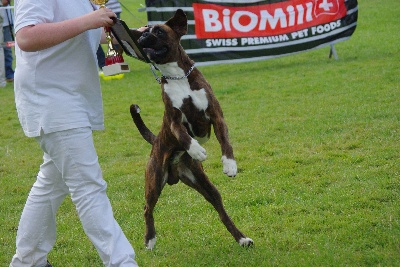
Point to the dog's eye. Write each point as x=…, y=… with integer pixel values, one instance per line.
x=158, y=31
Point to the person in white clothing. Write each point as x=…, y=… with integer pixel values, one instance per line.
x=59, y=102
x=8, y=35
x=2, y=65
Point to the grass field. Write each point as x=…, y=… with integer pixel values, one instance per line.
x=317, y=142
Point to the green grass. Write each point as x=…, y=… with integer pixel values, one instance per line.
x=317, y=144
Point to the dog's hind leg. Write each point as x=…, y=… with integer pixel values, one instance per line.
x=155, y=181
x=191, y=173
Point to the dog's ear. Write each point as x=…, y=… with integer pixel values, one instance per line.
x=178, y=23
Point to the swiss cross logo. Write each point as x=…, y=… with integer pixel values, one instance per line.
x=326, y=7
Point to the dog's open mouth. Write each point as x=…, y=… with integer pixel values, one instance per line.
x=153, y=52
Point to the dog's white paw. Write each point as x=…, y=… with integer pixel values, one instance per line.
x=150, y=245
x=246, y=242
x=196, y=151
x=229, y=166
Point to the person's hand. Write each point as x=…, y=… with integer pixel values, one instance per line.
x=142, y=29
x=102, y=17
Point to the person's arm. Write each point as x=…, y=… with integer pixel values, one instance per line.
x=41, y=36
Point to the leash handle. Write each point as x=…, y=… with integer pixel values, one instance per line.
x=152, y=68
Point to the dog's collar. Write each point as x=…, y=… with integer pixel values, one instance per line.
x=153, y=68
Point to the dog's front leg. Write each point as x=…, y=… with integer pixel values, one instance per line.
x=221, y=132
x=193, y=148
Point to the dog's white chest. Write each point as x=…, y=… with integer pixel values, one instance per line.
x=179, y=90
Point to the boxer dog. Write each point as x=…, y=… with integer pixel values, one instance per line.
x=191, y=108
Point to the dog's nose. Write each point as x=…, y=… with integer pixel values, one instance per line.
x=143, y=37
x=147, y=39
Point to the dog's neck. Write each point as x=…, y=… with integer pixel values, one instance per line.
x=176, y=70
x=172, y=71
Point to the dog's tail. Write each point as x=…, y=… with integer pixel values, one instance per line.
x=137, y=119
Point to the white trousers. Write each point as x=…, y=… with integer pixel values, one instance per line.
x=70, y=167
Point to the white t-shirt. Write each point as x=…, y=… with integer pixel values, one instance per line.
x=57, y=88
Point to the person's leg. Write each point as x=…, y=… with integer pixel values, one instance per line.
x=2, y=67
x=101, y=57
x=8, y=56
x=37, y=227
x=74, y=155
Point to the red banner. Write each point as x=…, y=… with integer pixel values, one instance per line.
x=216, y=21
